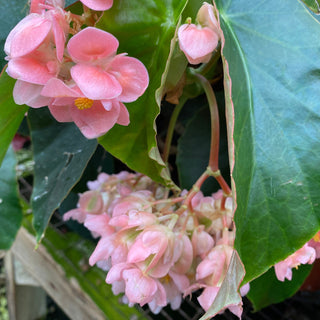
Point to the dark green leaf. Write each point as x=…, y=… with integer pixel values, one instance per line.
x=314, y=5
x=144, y=29
x=11, y=115
x=272, y=49
x=61, y=154
x=10, y=209
x=267, y=289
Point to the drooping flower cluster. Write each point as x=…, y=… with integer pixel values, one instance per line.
x=199, y=41
x=305, y=255
x=156, y=248
x=82, y=80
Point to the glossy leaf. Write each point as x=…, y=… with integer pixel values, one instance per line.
x=11, y=115
x=267, y=289
x=145, y=29
x=61, y=154
x=272, y=51
x=10, y=210
x=314, y=5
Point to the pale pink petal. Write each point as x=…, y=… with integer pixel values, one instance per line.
x=102, y=251
x=29, y=70
x=95, y=83
x=56, y=88
x=91, y=201
x=61, y=113
x=207, y=297
x=115, y=273
x=75, y=214
x=197, y=43
x=27, y=35
x=59, y=35
x=95, y=121
x=139, y=288
x=123, y=119
x=185, y=260
x=206, y=17
x=99, y=224
x=92, y=44
x=132, y=75
x=98, y=5
x=29, y=94
x=180, y=280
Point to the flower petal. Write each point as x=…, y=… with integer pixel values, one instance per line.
x=29, y=94
x=197, y=43
x=92, y=44
x=95, y=121
x=27, y=35
x=132, y=75
x=95, y=83
x=98, y=5
x=29, y=70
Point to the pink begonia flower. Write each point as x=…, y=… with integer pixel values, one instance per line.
x=98, y=5
x=304, y=255
x=199, y=41
x=102, y=81
x=90, y=202
x=37, y=29
x=92, y=117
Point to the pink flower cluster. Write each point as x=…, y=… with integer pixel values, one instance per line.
x=157, y=249
x=307, y=254
x=82, y=80
x=199, y=41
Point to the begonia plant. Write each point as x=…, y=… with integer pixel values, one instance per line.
x=182, y=134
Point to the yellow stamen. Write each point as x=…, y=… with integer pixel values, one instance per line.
x=83, y=103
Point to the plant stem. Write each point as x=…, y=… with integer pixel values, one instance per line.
x=215, y=127
x=172, y=123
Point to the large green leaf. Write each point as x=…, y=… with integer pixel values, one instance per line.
x=314, y=5
x=272, y=51
x=10, y=210
x=61, y=154
x=144, y=29
x=267, y=289
x=11, y=115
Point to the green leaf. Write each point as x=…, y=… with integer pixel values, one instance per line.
x=61, y=154
x=10, y=209
x=145, y=29
x=11, y=115
x=314, y=5
x=272, y=52
x=267, y=289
